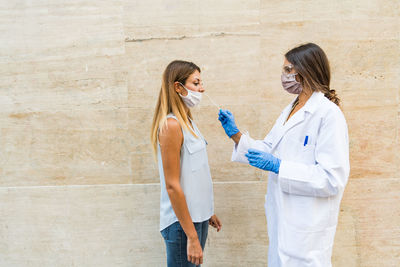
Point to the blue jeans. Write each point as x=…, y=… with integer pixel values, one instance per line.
x=176, y=243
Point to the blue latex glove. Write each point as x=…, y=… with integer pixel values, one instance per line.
x=228, y=122
x=263, y=160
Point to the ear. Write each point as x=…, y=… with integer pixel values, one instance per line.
x=178, y=87
x=299, y=78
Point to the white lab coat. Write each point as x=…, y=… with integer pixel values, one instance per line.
x=302, y=201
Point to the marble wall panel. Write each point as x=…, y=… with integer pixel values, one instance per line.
x=43, y=30
x=144, y=168
x=187, y=19
x=117, y=225
x=59, y=77
x=243, y=238
x=299, y=10
x=373, y=223
x=66, y=147
x=86, y=82
x=365, y=80
x=64, y=122
x=80, y=226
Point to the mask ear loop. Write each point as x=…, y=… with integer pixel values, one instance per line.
x=215, y=104
x=187, y=90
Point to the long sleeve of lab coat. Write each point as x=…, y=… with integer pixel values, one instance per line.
x=329, y=175
x=245, y=143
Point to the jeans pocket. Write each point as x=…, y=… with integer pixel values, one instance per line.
x=173, y=233
x=177, y=226
x=164, y=233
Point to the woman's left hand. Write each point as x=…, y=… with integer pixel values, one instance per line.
x=215, y=222
x=263, y=160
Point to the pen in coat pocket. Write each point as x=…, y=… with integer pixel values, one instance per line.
x=306, y=140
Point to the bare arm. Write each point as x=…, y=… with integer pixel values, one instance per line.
x=171, y=141
x=236, y=137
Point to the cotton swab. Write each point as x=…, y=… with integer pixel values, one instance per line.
x=212, y=101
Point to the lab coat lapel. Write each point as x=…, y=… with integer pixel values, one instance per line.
x=297, y=118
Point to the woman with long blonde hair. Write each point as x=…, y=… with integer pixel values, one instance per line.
x=187, y=202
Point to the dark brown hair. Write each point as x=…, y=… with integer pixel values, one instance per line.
x=312, y=65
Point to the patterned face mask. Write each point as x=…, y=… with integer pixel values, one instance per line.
x=290, y=84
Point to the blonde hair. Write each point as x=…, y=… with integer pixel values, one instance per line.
x=169, y=100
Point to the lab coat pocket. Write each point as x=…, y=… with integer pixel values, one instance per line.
x=306, y=245
x=197, y=154
x=300, y=152
x=306, y=213
x=308, y=154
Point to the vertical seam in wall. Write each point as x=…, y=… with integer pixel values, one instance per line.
x=397, y=144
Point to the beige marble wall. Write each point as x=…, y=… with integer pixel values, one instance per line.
x=79, y=80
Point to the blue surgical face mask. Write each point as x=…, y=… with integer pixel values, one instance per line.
x=192, y=99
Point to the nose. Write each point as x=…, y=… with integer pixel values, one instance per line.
x=201, y=89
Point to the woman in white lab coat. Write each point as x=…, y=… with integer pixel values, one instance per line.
x=307, y=155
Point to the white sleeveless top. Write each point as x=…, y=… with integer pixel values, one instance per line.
x=195, y=180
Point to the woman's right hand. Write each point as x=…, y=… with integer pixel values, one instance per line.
x=228, y=122
x=194, y=251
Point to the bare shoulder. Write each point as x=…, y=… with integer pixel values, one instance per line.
x=171, y=126
x=171, y=132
